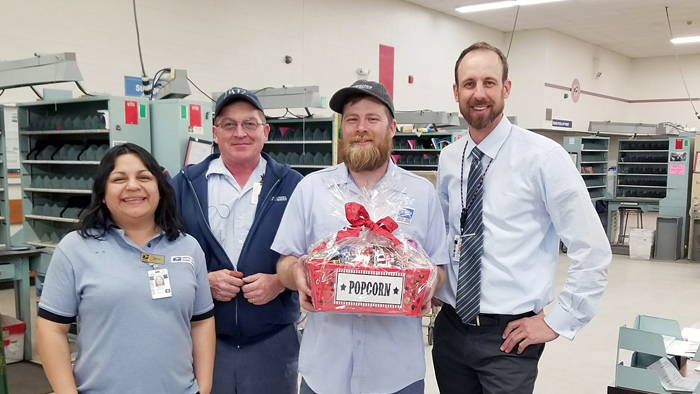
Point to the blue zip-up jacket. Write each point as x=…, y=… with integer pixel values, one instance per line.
x=238, y=321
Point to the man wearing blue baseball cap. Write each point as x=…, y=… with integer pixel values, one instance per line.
x=232, y=203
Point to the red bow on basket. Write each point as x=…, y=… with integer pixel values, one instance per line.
x=357, y=216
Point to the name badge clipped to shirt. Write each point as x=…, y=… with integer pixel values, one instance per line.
x=459, y=238
x=152, y=258
x=160, y=283
x=257, y=188
x=458, y=247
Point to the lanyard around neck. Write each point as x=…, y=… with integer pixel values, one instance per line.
x=461, y=182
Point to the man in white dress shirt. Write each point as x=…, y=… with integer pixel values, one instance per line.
x=509, y=196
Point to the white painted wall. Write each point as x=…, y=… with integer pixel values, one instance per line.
x=659, y=78
x=526, y=63
x=240, y=42
x=544, y=56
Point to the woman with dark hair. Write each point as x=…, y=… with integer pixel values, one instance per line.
x=136, y=334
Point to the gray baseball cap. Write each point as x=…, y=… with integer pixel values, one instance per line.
x=362, y=87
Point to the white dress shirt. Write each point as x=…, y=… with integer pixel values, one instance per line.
x=533, y=196
x=231, y=208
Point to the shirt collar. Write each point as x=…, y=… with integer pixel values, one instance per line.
x=494, y=141
x=392, y=172
x=218, y=167
x=111, y=226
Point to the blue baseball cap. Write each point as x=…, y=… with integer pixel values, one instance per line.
x=235, y=94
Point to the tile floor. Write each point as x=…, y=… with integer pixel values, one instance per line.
x=586, y=364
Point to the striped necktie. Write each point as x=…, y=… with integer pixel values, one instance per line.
x=469, y=282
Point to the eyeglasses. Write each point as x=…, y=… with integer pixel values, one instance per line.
x=230, y=125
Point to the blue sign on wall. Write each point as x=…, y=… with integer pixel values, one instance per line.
x=134, y=87
x=562, y=123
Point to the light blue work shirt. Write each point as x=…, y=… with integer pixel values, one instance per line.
x=129, y=342
x=232, y=207
x=533, y=196
x=347, y=353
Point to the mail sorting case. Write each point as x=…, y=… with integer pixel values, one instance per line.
x=5, y=123
x=307, y=145
x=61, y=143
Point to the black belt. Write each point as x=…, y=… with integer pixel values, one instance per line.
x=489, y=319
x=485, y=319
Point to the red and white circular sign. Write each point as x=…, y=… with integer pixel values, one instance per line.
x=575, y=90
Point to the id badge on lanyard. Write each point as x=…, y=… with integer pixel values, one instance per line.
x=459, y=239
x=160, y=283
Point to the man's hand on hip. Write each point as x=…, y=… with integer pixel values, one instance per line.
x=225, y=284
x=261, y=288
x=530, y=330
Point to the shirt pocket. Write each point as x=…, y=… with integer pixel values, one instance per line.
x=325, y=228
x=183, y=279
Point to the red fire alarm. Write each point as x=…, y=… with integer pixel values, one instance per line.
x=410, y=79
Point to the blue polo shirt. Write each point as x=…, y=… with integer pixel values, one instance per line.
x=127, y=341
x=345, y=353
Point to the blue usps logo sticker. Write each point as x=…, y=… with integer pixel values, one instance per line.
x=182, y=259
x=405, y=215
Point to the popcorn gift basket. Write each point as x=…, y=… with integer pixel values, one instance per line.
x=369, y=267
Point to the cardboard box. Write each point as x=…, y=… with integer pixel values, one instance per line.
x=13, y=338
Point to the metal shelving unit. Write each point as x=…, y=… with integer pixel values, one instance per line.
x=418, y=151
x=61, y=191
x=64, y=162
x=307, y=145
x=590, y=155
x=4, y=188
x=52, y=218
x=642, y=169
x=298, y=142
x=61, y=142
x=64, y=132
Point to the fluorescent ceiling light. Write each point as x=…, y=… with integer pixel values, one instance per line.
x=500, y=4
x=530, y=2
x=485, y=7
x=685, y=40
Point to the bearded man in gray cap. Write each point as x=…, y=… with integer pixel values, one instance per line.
x=346, y=353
